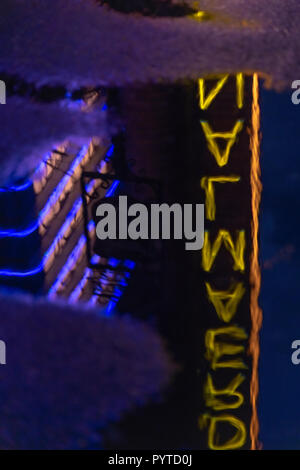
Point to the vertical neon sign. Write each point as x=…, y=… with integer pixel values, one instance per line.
x=230, y=270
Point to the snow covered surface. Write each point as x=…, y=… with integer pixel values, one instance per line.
x=78, y=42
x=68, y=372
x=29, y=131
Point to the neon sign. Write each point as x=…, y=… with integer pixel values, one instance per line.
x=230, y=269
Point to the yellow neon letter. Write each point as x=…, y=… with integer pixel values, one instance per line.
x=205, y=102
x=236, y=442
x=233, y=296
x=207, y=185
x=215, y=350
x=210, y=252
x=221, y=157
x=211, y=394
x=240, y=90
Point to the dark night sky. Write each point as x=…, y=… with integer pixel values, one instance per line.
x=280, y=252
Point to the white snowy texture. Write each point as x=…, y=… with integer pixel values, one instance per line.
x=76, y=42
x=29, y=131
x=69, y=372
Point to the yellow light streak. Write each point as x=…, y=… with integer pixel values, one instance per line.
x=240, y=87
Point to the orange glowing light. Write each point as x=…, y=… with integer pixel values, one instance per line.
x=255, y=275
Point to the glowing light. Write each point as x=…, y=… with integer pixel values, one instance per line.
x=110, y=151
x=47, y=166
x=77, y=292
x=240, y=87
x=235, y=442
x=38, y=184
x=255, y=275
x=21, y=233
x=200, y=15
x=91, y=227
x=29, y=183
x=209, y=252
x=231, y=137
x=14, y=233
x=72, y=220
x=65, y=185
x=205, y=102
x=233, y=297
x=207, y=185
x=31, y=272
x=70, y=265
x=59, y=241
x=215, y=349
x=229, y=352
x=112, y=189
x=211, y=394
x=117, y=293
x=21, y=187
x=110, y=307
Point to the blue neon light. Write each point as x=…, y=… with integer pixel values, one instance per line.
x=28, y=231
x=27, y=184
x=22, y=187
x=63, y=182
x=112, y=189
x=78, y=289
x=52, y=200
x=110, y=151
x=68, y=266
x=32, y=272
x=71, y=215
x=110, y=307
x=21, y=234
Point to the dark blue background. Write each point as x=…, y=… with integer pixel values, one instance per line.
x=280, y=247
